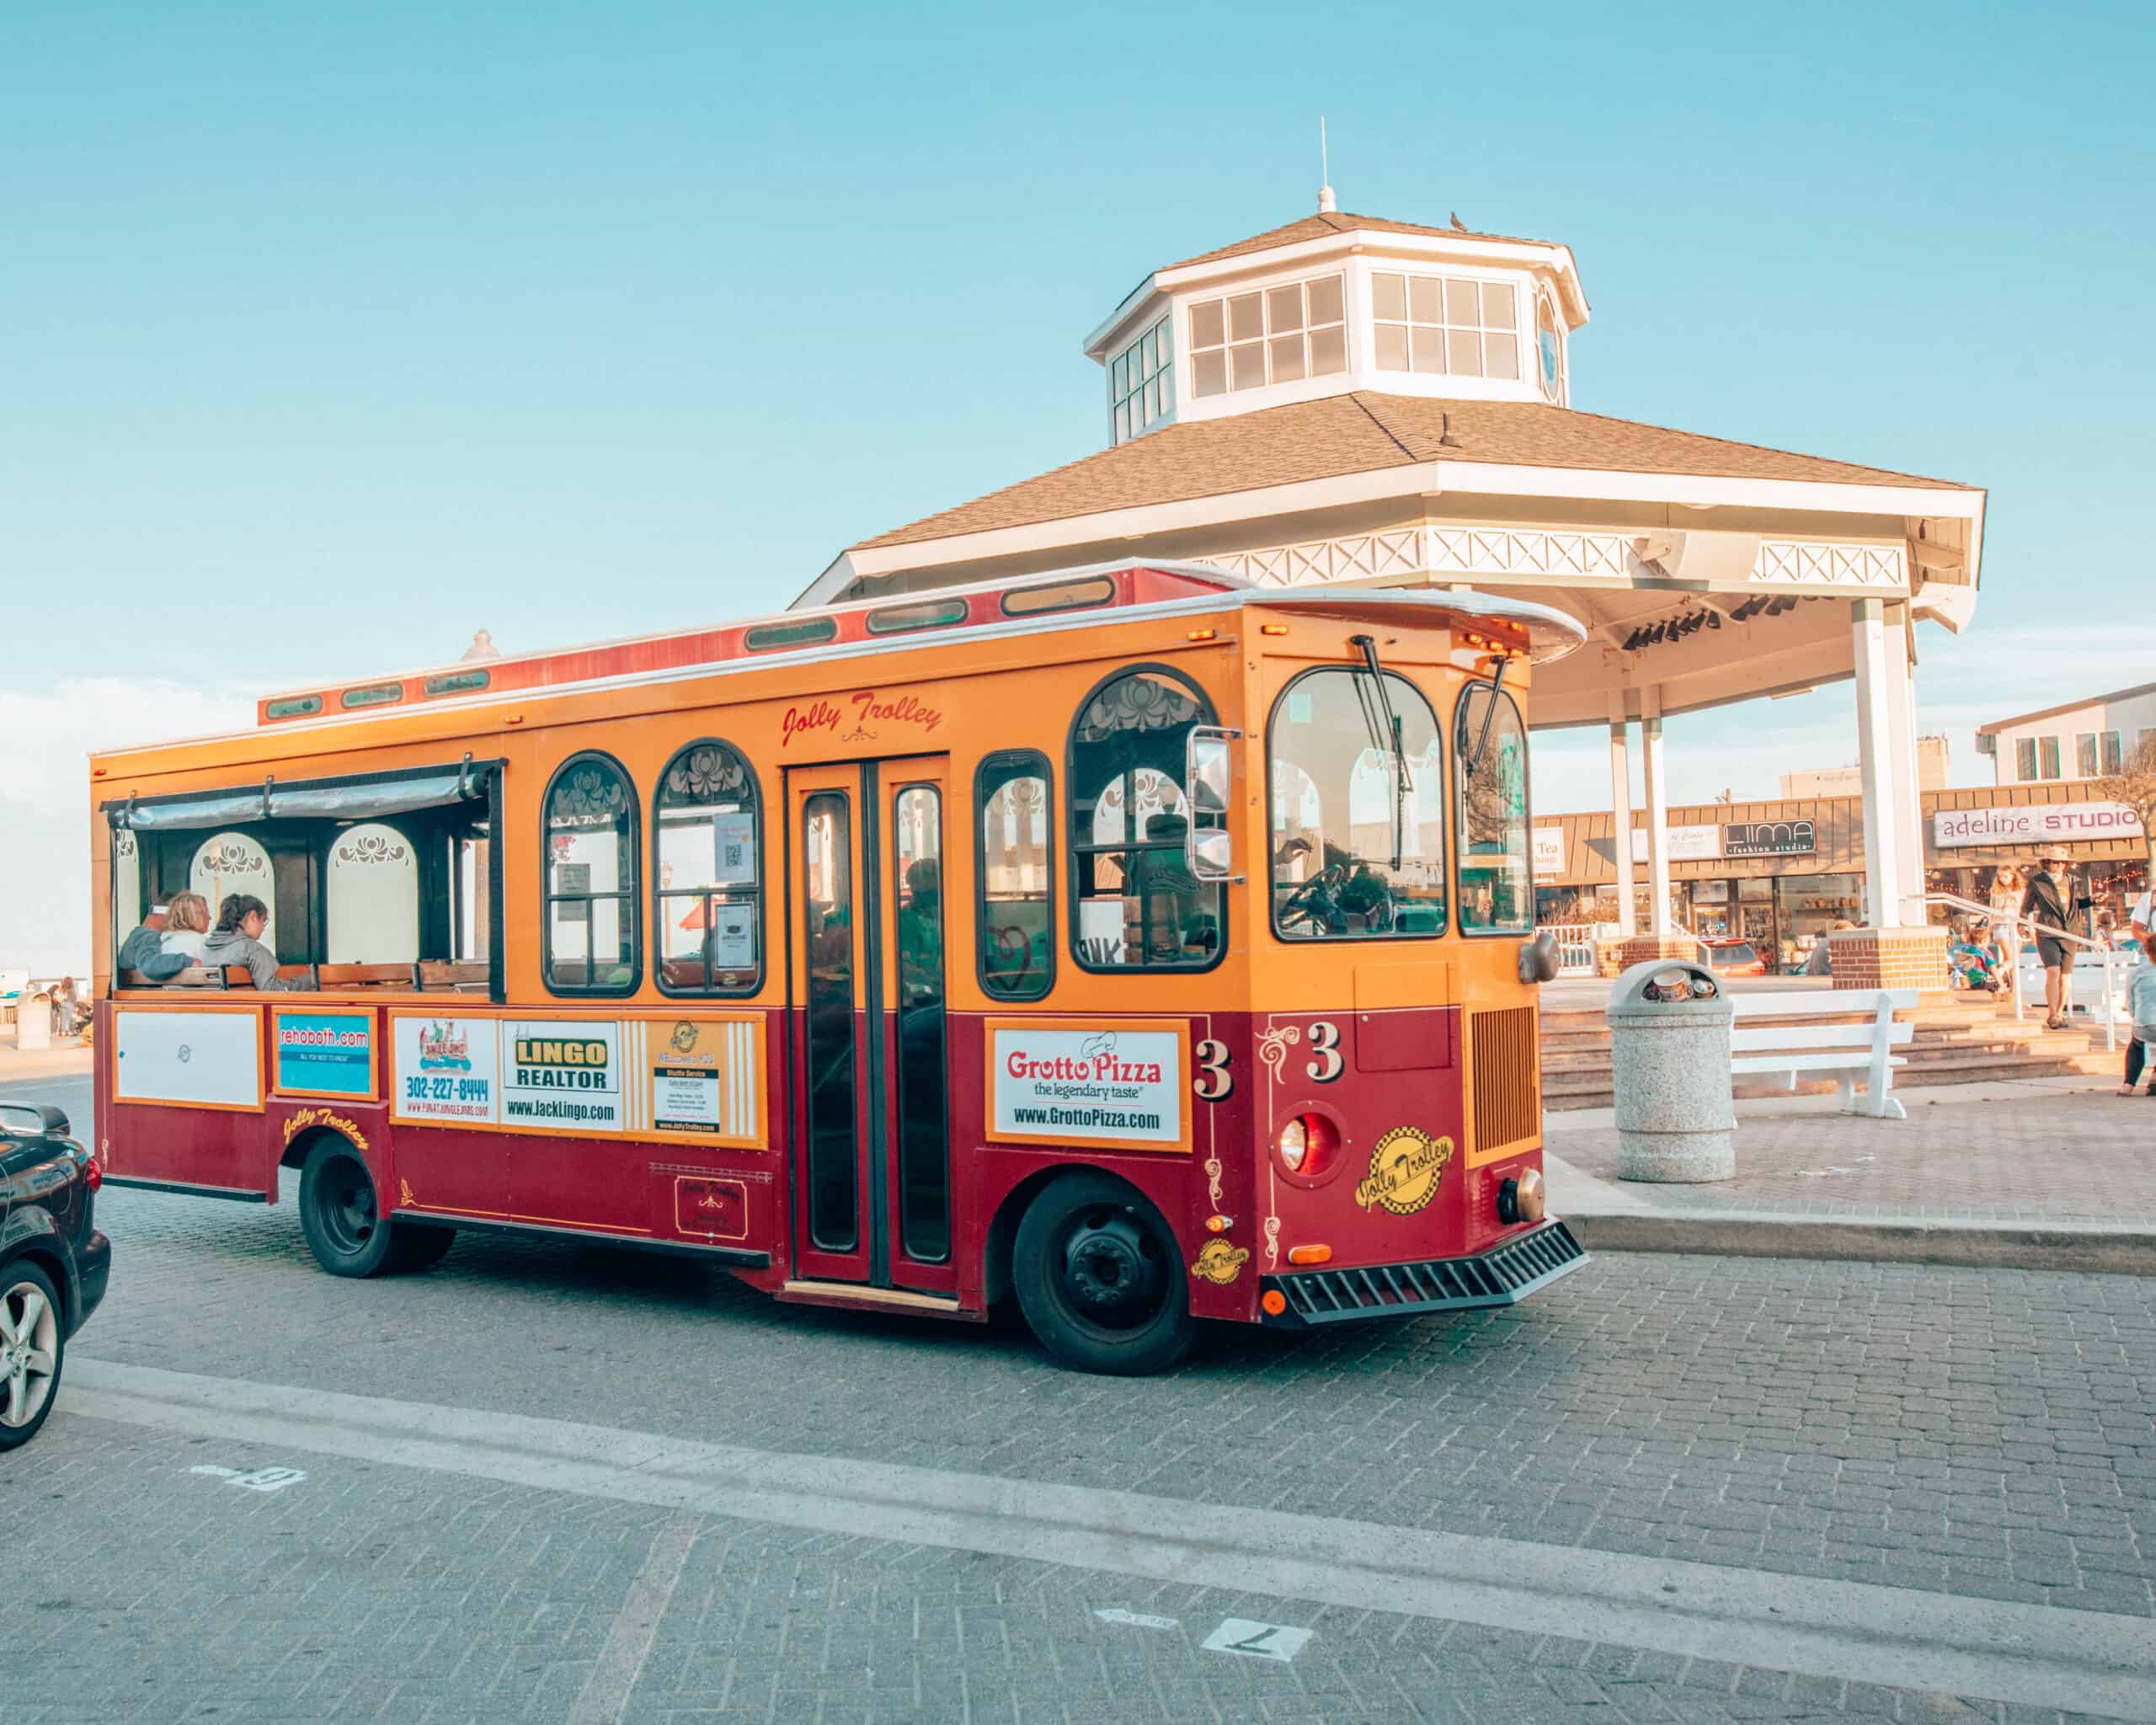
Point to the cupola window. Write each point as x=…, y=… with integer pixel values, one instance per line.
x=1445, y=325
x=1274, y=335
x=1142, y=383
x=1549, y=351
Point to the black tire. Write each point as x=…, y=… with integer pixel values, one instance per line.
x=1101, y=1278
x=340, y=1212
x=43, y=1338
x=417, y=1245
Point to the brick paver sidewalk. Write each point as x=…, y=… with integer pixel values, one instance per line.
x=2037, y=1152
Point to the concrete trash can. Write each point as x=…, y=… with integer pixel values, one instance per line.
x=1669, y=1058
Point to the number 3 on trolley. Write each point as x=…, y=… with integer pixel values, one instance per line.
x=1215, y=1082
x=1325, y=1044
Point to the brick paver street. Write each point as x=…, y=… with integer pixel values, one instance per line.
x=2046, y=1151
x=1953, y=1435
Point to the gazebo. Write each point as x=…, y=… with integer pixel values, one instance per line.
x=1352, y=398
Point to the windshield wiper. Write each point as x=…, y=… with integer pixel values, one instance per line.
x=1399, y=779
x=1489, y=713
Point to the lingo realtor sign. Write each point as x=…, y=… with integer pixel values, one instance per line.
x=1114, y=1084
x=2034, y=824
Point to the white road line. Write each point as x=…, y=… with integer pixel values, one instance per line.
x=2083, y=1662
x=605, y=1694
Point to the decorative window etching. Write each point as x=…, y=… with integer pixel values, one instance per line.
x=372, y=895
x=232, y=862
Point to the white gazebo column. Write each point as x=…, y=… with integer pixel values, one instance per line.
x=1660, y=927
x=1620, y=806
x=1894, y=949
x=1908, y=788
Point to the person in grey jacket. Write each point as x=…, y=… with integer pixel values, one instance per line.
x=236, y=939
x=143, y=951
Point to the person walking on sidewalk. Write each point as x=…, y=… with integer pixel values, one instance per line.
x=2141, y=1001
x=2048, y=905
x=2007, y=887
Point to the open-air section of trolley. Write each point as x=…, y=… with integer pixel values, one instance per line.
x=1142, y=944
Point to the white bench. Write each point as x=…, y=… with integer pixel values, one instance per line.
x=1861, y=1044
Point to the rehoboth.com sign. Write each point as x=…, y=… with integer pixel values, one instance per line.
x=2035, y=822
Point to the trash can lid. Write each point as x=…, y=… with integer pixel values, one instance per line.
x=1660, y=988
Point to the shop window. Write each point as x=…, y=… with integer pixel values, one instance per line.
x=2114, y=760
x=2084, y=755
x=1490, y=746
x=2047, y=756
x=1134, y=902
x=2024, y=760
x=1357, y=834
x=1016, y=944
x=707, y=847
x=589, y=923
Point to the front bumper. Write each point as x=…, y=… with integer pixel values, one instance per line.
x=1504, y=1275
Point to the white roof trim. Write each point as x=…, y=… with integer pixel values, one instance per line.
x=1415, y=479
x=1502, y=254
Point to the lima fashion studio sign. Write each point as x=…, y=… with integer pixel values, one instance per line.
x=1769, y=838
x=2035, y=822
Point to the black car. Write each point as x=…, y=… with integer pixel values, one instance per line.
x=53, y=1264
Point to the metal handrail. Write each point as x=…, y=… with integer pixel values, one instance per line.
x=2029, y=924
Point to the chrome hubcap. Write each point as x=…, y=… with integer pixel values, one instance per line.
x=29, y=1352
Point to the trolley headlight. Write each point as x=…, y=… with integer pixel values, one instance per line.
x=1520, y=1199
x=1307, y=1144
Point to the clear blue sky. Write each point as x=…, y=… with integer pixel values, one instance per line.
x=328, y=334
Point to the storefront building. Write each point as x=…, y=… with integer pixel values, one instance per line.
x=1781, y=873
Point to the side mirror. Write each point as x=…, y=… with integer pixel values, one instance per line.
x=1208, y=848
x=1537, y=958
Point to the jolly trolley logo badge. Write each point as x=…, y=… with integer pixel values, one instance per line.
x=1405, y=1166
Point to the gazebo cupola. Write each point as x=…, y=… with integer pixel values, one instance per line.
x=1336, y=304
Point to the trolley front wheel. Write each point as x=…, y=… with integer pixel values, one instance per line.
x=1100, y=1278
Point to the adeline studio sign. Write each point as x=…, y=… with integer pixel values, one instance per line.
x=2035, y=824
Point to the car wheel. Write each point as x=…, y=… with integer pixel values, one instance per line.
x=1101, y=1278
x=341, y=1215
x=31, y=1350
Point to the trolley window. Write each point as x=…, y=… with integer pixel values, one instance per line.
x=591, y=879
x=1017, y=945
x=1357, y=834
x=707, y=850
x=1060, y=595
x=1134, y=902
x=1496, y=882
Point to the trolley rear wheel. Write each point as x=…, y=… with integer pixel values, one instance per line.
x=1101, y=1279
x=341, y=1213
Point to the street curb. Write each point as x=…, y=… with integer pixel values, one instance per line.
x=2108, y=1251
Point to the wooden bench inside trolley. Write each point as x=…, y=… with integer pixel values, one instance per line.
x=1129, y=941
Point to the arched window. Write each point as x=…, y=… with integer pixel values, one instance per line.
x=707, y=841
x=590, y=881
x=126, y=885
x=1550, y=350
x=232, y=862
x=1016, y=945
x=1496, y=882
x=1135, y=904
x=372, y=893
